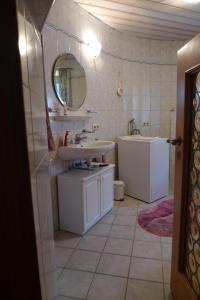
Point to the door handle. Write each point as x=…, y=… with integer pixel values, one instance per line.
x=175, y=142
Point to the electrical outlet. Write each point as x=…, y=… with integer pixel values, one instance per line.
x=95, y=127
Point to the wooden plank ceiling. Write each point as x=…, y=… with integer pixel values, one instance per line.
x=155, y=19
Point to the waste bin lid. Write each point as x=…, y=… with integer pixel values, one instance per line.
x=118, y=182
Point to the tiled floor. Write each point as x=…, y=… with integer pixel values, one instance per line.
x=115, y=260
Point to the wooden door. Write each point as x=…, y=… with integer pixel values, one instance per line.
x=19, y=262
x=185, y=278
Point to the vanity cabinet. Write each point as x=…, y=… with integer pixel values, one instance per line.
x=106, y=180
x=84, y=198
x=91, y=201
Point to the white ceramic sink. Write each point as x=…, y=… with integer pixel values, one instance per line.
x=85, y=150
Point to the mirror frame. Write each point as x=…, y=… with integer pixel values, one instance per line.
x=52, y=78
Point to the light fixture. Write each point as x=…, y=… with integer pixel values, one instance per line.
x=92, y=44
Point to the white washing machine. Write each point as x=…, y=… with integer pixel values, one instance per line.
x=144, y=166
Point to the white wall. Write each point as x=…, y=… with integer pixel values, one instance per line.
x=34, y=104
x=146, y=68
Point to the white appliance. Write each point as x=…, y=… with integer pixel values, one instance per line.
x=144, y=166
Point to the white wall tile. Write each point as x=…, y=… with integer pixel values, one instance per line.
x=24, y=47
x=149, y=84
x=34, y=104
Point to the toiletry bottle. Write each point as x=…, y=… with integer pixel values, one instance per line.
x=77, y=138
x=66, y=139
x=70, y=138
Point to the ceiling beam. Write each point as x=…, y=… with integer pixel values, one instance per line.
x=147, y=36
x=189, y=6
x=148, y=12
x=150, y=31
x=163, y=7
x=114, y=20
x=128, y=16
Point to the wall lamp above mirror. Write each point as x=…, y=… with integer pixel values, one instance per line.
x=69, y=81
x=93, y=47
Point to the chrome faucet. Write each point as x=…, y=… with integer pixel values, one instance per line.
x=81, y=136
x=132, y=129
x=88, y=131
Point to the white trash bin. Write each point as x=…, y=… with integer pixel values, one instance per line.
x=118, y=190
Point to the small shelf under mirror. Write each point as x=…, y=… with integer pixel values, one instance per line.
x=70, y=118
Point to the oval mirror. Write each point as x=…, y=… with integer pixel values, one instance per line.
x=69, y=81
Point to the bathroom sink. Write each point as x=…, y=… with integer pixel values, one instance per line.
x=89, y=149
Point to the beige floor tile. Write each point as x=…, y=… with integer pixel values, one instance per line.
x=92, y=243
x=165, y=239
x=108, y=219
x=58, y=272
x=143, y=235
x=143, y=290
x=167, y=251
x=146, y=269
x=117, y=203
x=106, y=287
x=129, y=202
x=114, y=210
x=84, y=260
x=140, y=202
x=168, y=295
x=125, y=220
x=166, y=271
x=66, y=239
x=100, y=229
x=114, y=265
x=147, y=249
x=118, y=246
x=62, y=255
x=123, y=232
x=127, y=211
x=143, y=205
x=74, y=283
x=64, y=298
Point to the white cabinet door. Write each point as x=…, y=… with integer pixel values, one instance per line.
x=91, y=202
x=106, y=191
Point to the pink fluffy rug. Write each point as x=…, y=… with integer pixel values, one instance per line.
x=158, y=219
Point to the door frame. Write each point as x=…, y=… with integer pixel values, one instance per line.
x=188, y=62
x=19, y=266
